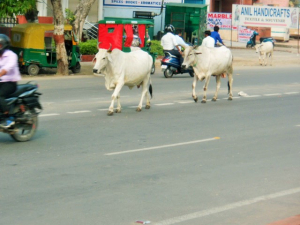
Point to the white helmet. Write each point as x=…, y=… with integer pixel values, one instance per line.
x=170, y=28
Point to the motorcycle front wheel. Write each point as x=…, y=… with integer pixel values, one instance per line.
x=191, y=73
x=168, y=73
x=25, y=130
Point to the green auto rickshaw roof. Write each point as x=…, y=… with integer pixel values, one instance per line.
x=125, y=21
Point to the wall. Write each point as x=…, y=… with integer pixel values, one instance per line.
x=227, y=35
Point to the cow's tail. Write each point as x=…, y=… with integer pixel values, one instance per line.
x=150, y=88
x=228, y=87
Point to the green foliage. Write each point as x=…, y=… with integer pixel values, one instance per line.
x=18, y=7
x=70, y=16
x=156, y=48
x=89, y=47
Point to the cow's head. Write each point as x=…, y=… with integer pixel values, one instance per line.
x=257, y=48
x=189, y=56
x=101, y=60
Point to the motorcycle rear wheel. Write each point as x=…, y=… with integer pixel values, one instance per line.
x=168, y=73
x=26, y=131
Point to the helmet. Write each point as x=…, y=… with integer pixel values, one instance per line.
x=169, y=28
x=4, y=43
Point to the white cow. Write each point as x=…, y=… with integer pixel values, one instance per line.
x=264, y=50
x=208, y=62
x=129, y=69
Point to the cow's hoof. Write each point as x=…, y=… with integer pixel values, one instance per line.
x=138, y=109
x=196, y=99
x=203, y=101
x=118, y=111
x=110, y=113
x=147, y=107
x=230, y=98
x=214, y=99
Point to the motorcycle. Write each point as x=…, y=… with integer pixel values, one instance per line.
x=251, y=42
x=171, y=65
x=24, y=107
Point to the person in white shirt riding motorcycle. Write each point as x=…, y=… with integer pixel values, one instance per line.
x=208, y=41
x=169, y=42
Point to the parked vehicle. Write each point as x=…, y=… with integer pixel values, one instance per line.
x=171, y=65
x=118, y=33
x=35, y=46
x=24, y=107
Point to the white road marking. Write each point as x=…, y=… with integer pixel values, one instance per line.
x=83, y=111
x=232, y=97
x=163, y=146
x=102, y=109
x=186, y=102
x=291, y=93
x=297, y=125
x=252, y=96
x=74, y=100
x=162, y=104
x=272, y=94
x=51, y=114
x=235, y=205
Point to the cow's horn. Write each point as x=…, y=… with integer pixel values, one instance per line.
x=110, y=47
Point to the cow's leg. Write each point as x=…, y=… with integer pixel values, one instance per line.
x=144, y=92
x=148, y=94
x=260, y=58
x=118, y=109
x=205, y=89
x=230, y=81
x=113, y=97
x=271, y=54
x=265, y=58
x=194, y=88
x=218, y=82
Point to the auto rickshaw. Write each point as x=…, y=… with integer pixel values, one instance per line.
x=35, y=47
x=119, y=33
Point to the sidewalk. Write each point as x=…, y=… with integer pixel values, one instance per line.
x=292, y=45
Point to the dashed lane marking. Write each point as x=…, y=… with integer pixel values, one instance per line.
x=51, y=114
x=252, y=96
x=83, y=111
x=186, y=102
x=272, y=94
x=75, y=100
x=162, y=104
x=231, y=206
x=162, y=146
x=291, y=93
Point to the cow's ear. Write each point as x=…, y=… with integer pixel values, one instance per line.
x=195, y=46
x=109, y=57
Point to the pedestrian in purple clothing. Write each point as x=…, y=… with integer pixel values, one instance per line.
x=9, y=75
x=215, y=35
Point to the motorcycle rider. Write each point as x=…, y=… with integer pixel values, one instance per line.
x=170, y=44
x=9, y=76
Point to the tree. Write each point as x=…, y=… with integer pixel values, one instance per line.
x=10, y=8
x=77, y=18
x=58, y=35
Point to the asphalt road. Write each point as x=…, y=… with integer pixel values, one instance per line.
x=180, y=162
